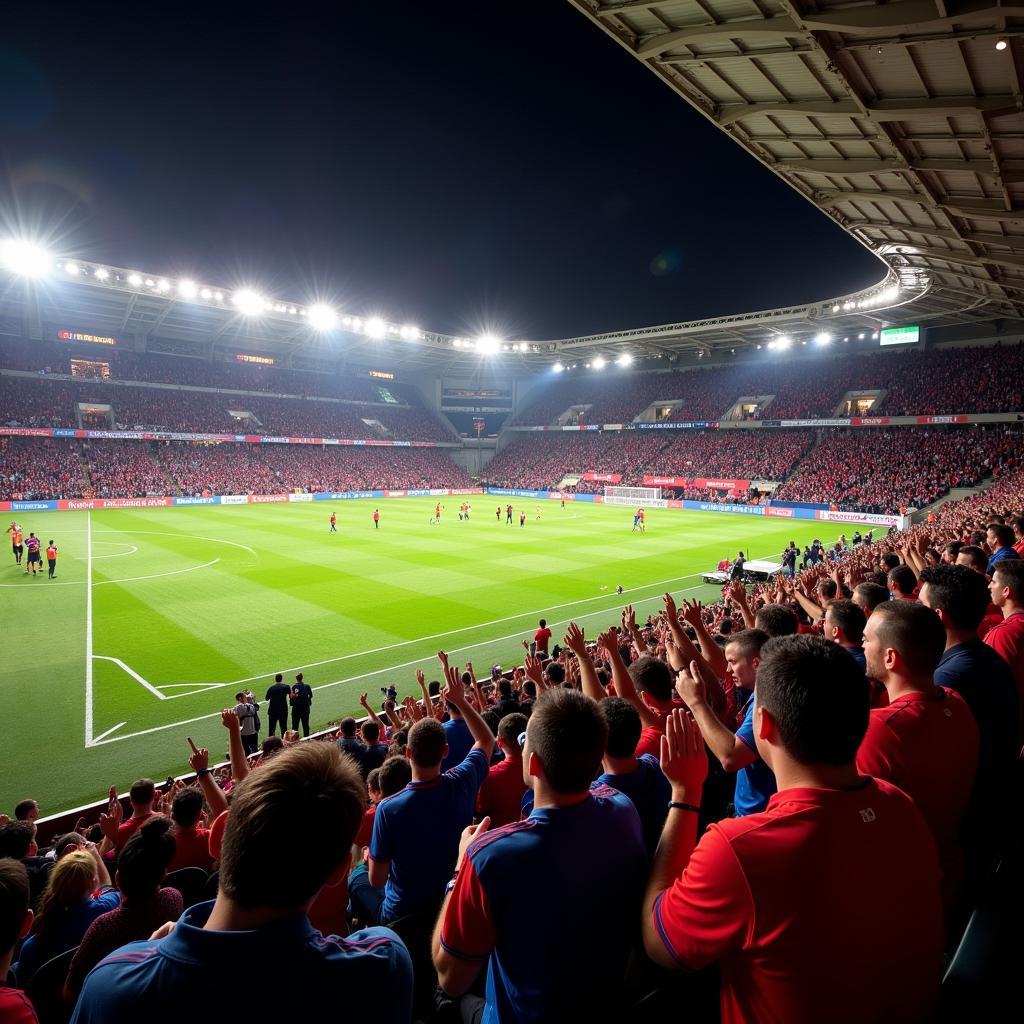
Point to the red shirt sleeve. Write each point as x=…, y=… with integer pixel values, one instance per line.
x=468, y=931
x=708, y=911
x=878, y=755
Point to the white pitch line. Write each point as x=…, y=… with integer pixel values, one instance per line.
x=117, y=554
x=88, y=630
x=135, y=675
x=159, y=575
x=454, y=632
x=351, y=679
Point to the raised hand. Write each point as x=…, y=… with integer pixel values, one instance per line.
x=420, y=677
x=111, y=821
x=690, y=685
x=230, y=720
x=684, y=761
x=629, y=619
x=575, y=640
x=468, y=835
x=443, y=658
x=608, y=641
x=364, y=699
x=670, y=607
x=454, y=692
x=200, y=759
x=533, y=669
x=693, y=613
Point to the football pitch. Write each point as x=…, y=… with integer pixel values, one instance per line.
x=157, y=617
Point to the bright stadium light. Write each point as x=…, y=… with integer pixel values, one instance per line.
x=102, y=274
x=624, y=360
x=135, y=280
x=187, y=289
x=25, y=258
x=72, y=268
x=206, y=294
x=558, y=367
x=322, y=317
x=375, y=327
x=488, y=344
x=409, y=332
x=1002, y=42
x=822, y=338
x=248, y=302
x=600, y=363
x=781, y=343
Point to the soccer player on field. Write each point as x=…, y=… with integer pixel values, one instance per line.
x=508, y=514
x=636, y=521
x=51, y=559
x=334, y=523
x=498, y=513
x=33, y=544
x=522, y=517
x=376, y=519
x=643, y=521
x=538, y=511
x=437, y=512
x=16, y=542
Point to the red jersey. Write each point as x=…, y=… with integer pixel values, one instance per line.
x=191, y=848
x=15, y=1007
x=1006, y=638
x=376, y=516
x=365, y=827
x=51, y=552
x=650, y=738
x=33, y=544
x=128, y=829
x=927, y=744
x=541, y=638
x=807, y=916
x=501, y=793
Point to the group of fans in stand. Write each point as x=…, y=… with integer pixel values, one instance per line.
x=768, y=784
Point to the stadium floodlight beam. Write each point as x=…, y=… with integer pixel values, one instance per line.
x=322, y=317
x=488, y=344
x=781, y=343
x=558, y=367
x=409, y=332
x=72, y=268
x=822, y=338
x=102, y=274
x=600, y=363
x=624, y=360
x=375, y=327
x=187, y=289
x=248, y=302
x=135, y=280
x=28, y=259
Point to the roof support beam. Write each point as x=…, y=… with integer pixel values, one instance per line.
x=755, y=30
x=880, y=110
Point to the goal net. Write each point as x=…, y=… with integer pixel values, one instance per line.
x=638, y=496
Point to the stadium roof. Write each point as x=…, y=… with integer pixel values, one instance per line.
x=902, y=121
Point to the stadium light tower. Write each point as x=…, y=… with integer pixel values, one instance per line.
x=488, y=344
x=187, y=289
x=321, y=317
x=29, y=259
x=375, y=327
x=248, y=302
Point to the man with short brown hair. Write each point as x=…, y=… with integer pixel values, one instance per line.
x=288, y=835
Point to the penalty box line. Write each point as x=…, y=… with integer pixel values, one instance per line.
x=106, y=737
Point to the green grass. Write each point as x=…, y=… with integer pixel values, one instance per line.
x=355, y=611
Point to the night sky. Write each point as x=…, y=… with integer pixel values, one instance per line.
x=454, y=165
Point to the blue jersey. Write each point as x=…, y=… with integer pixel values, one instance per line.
x=650, y=793
x=460, y=742
x=214, y=975
x=554, y=902
x=755, y=783
x=417, y=831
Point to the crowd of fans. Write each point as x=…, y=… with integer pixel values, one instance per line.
x=686, y=780
x=27, y=402
x=914, y=383
x=884, y=470
x=40, y=468
x=123, y=469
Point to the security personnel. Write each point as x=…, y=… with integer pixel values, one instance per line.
x=302, y=699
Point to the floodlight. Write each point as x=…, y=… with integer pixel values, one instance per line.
x=488, y=344
x=72, y=269
x=783, y=342
x=600, y=363
x=102, y=274
x=248, y=302
x=1002, y=43
x=835, y=308
x=134, y=280
x=625, y=359
x=822, y=338
x=375, y=327
x=558, y=367
x=150, y=283
x=187, y=289
x=322, y=317
x=206, y=294
x=860, y=337
x=25, y=258
x=410, y=332
x=163, y=285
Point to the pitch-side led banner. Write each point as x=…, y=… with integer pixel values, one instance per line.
x=603, y=478
x=696, y=481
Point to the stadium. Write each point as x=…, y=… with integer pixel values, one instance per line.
x=244, y=521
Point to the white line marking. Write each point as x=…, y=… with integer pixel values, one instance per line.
x=103, y=735
x=453, y=632
x=182, y=536
x=364, y=675
x=159, y=575
x=88, y=630
x=135, y=675
x=117, y=554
